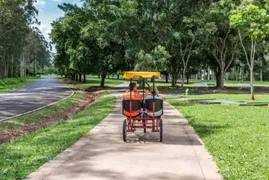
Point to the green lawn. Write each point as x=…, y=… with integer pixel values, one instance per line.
x=239, y=97
x=9, y=84
x=228, y=83
x=237, y=137
x=24, y=156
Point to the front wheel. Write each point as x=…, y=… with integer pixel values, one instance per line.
x=161, y=130
x=124, y=132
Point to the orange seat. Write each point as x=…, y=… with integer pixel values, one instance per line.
x=131, y=108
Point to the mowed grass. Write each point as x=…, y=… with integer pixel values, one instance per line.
x=34, y=117
x=232, y=96
x=228, y=83
x=9, y=84
x=24, y=156
x=237, y=137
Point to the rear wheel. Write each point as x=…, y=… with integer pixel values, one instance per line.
x=124, y=132
x=161, y=130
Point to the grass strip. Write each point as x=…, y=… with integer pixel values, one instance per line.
x=40, y=115
x=24, y=156
x=237, y=137
x=9, y=84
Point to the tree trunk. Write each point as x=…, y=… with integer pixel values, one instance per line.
x=103, y=77
x=222, y=78
x=208, y=73
x=118, y=76
x=80, y=77
x=6, y=69
x=24, y=66
x=166, y=78
x=188, y=78
x=174, y=79
x=12, y=66
x=252, y=86
x=20, y=67
x=252, y=60
x=183, y=77
x=84, y=78
x=218, y=78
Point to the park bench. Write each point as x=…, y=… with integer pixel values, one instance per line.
x=200, y=85
x=241, y=86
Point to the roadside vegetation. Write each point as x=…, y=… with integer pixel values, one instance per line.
x=25, y=155
x=235, y=136
x=9, y=84
x=24, y=51
x=85, y=93
x=38, y=117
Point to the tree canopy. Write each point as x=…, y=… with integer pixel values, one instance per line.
x=177, y=37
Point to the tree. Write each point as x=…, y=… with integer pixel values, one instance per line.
x=192, y=34
x=17, y=23
x=223, y=41
x=252, y=23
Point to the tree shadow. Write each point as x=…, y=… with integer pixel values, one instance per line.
x=205, y=130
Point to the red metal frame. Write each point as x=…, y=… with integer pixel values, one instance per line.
x=143, y=122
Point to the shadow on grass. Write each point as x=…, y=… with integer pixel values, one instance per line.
x=212, y=90
x=177, y=103
x=205, y=130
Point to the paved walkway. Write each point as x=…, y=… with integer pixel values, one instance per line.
x=102, y=155
x=32, y=97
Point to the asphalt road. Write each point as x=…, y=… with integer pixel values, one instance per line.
x=32, y=97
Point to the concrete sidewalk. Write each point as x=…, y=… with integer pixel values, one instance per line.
x=102, y=155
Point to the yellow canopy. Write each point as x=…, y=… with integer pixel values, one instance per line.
x=146, y=75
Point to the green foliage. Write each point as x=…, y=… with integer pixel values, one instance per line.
x=156, y=61
x=252, y=20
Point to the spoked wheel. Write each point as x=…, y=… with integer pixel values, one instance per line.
x=144, y=123
x=161, y=130
x=124, y=132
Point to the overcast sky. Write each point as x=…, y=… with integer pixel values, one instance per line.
x=48, y=12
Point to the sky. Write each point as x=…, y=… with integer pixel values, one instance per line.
x=48, y=12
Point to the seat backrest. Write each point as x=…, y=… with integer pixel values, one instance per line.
x=126, y=105
x=158, y=105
